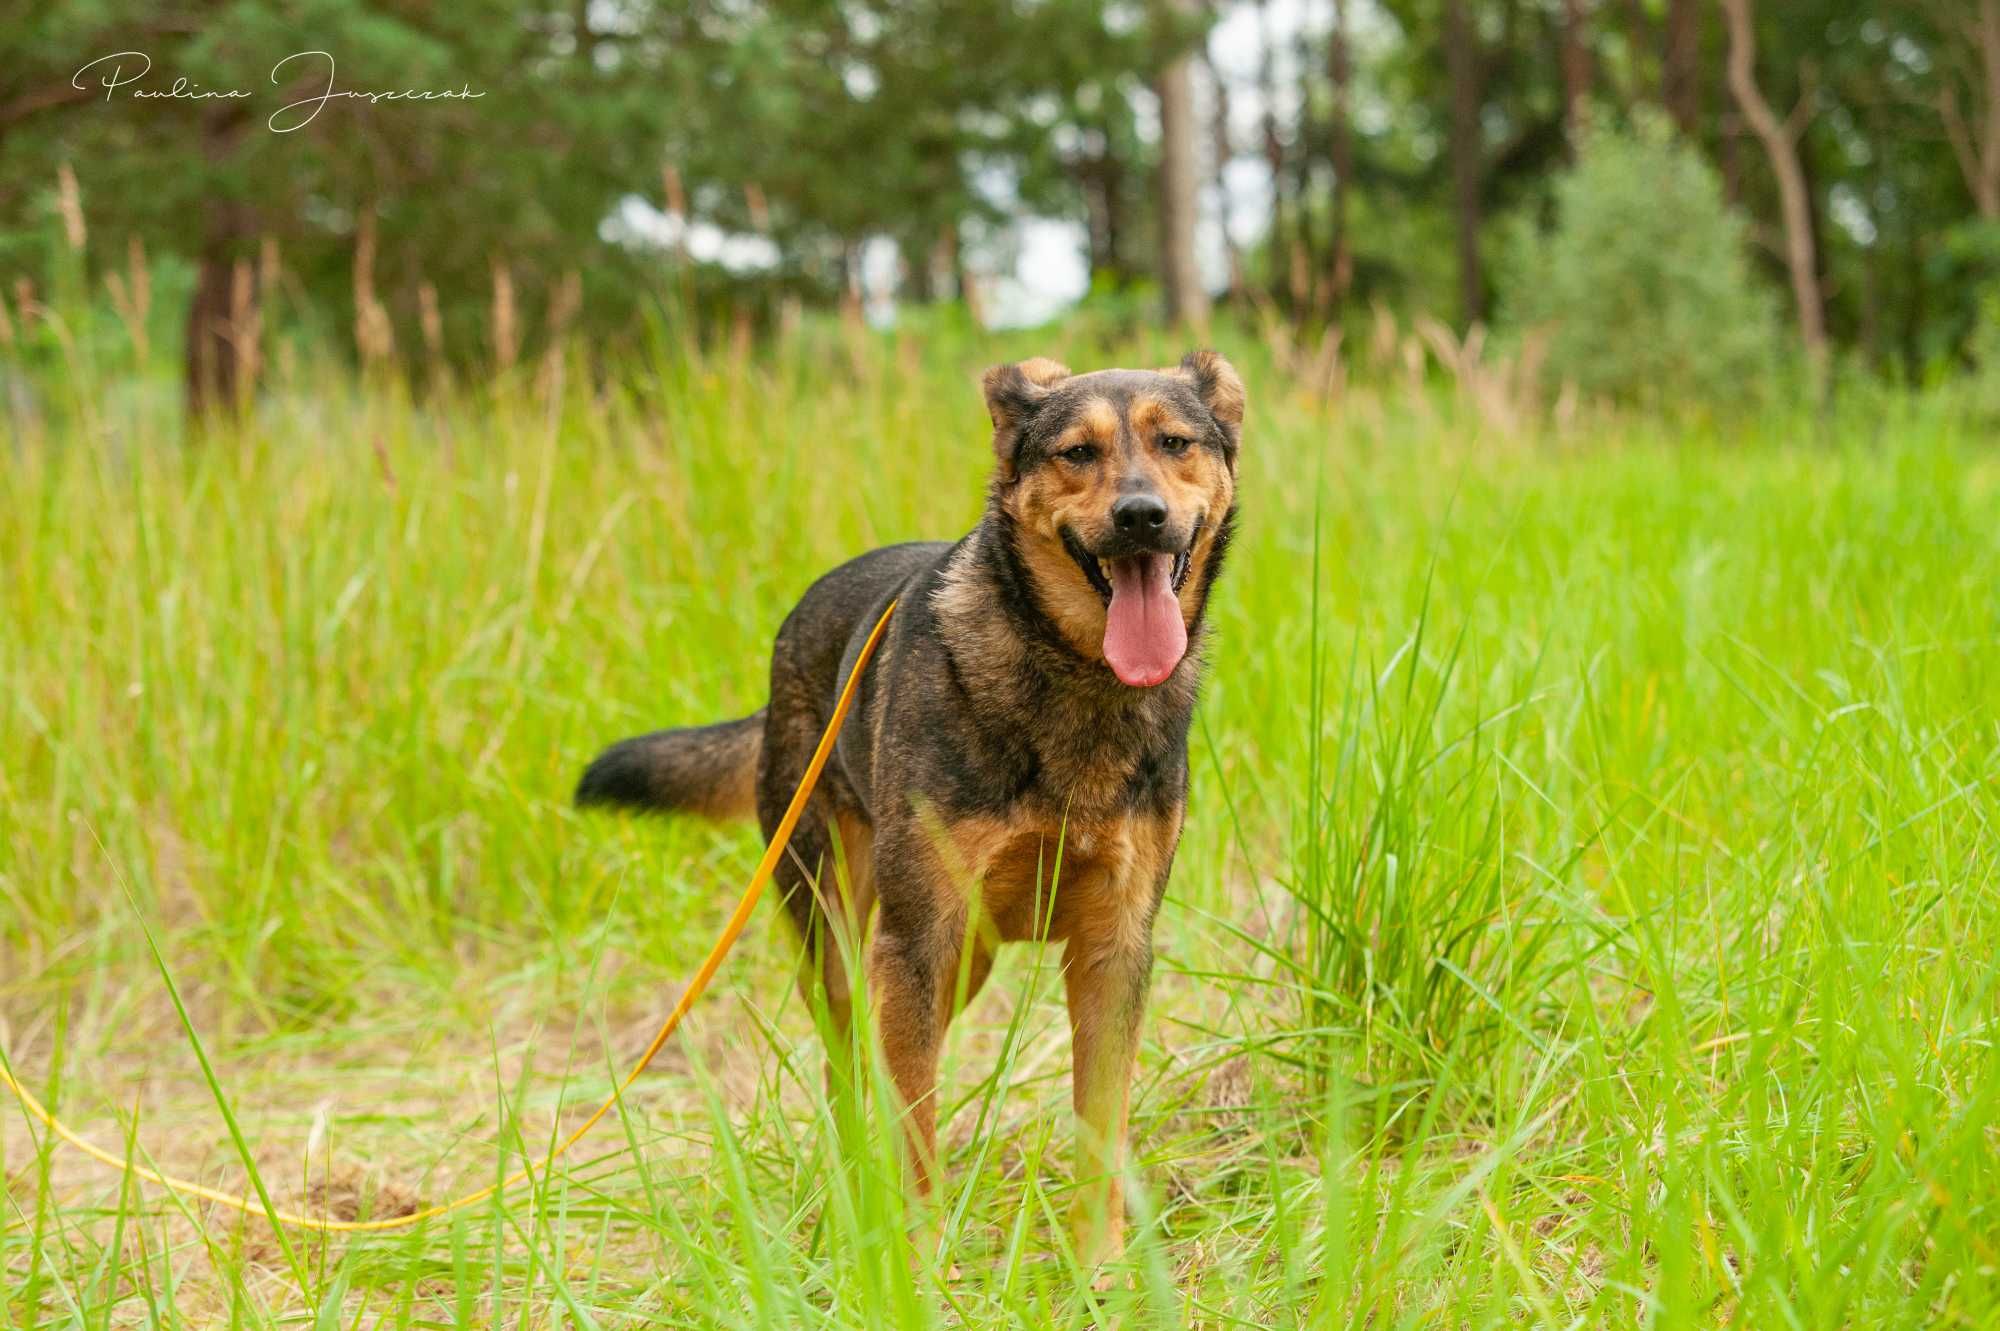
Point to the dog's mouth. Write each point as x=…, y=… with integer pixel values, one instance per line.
x=1093, y=565
x=1144, y=634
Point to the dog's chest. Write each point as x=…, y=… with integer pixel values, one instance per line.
x=1096, y=765
x=1036, y=876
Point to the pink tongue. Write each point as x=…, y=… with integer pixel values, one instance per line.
x=1144, y=638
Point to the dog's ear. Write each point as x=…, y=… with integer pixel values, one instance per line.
x=1012, y=394
x=1218, y=386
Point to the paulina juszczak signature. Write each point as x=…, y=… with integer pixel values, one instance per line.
x=123, y=71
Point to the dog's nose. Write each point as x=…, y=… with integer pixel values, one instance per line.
x=1139, y=515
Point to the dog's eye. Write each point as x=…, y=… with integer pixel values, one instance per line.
x=1174, y=443
x=1079, y=454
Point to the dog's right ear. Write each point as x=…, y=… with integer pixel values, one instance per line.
x=1013, y=392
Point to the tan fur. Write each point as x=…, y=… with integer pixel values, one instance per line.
x=1225, y=397
x=1066, y=596
x=1043, y=372
x=1097, y=423
x=1042, y=504
x=1152, y=418
x=734, y=795
x=857, y=867
x=855, y=875
x=1099, y=872
x=1053, y=497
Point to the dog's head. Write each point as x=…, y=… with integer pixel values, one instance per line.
x=1119, y=486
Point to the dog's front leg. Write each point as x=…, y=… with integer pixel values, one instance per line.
x=922, y=968
x=1105, y=981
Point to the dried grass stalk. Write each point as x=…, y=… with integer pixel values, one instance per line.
x=506, y=336
x=69, y=203
x=374, y=334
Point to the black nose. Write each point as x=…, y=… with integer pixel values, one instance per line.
x=1139, y=515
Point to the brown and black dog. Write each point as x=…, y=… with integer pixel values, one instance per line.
x=1016, y=766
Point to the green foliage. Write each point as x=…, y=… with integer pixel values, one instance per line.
x=814, y=126
x=937, y=124
x=1586, y=916
x=524, y=172
x=1642, y=287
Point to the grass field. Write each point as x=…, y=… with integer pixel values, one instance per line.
x=1587, y=915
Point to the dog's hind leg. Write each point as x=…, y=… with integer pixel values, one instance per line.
x=845, y=897
x=809, y=883
x=825, y=877
x=848, y=907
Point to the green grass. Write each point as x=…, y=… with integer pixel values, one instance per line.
x=1587, y=915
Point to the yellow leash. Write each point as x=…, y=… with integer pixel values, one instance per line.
x=739, y=918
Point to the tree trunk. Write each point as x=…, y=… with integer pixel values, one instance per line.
x=1913, y=310
x=1279, y=242
x=1680, y=66
x=1111, y=187
x=1575, y=74
x=1340, y=149
x=212, y=357
x=1098, y=178
x=585, y=38
x=964, y=278
x=1462, y=64
x=1308, y=285
x=919, y=273
x=1988, y=192
x=1225, y=151
x=1180, y=276
x=1780, y=140
x=209, y=359
x=1729, y=158
x=1978, y=149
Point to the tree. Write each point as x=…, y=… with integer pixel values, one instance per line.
x=1340, y=148
x=1680, y=66
x=1179, y=178
x=1780, y=139
x=843, y=122
x=1975, y=137
x=1462, y=60
x=1575, y=72
x=1223, y=150
x=527, y=163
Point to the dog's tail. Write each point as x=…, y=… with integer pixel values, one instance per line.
x=706, y=770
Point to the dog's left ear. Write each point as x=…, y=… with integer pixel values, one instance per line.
x=1012, y=394
x=1218, y=386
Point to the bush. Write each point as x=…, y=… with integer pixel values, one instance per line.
x=1643, y=287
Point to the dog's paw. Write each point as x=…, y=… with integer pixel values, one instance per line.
x=929, y=1255
x=1097, y=1235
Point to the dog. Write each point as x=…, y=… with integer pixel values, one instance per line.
x=1015, y=768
